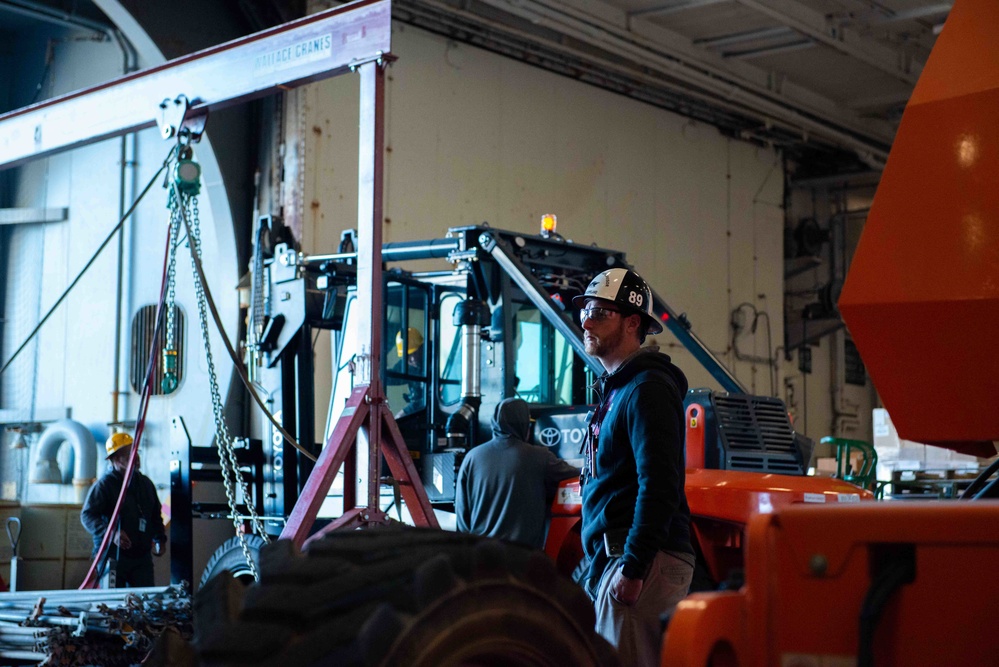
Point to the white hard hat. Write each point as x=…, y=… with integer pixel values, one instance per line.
x=626, y=289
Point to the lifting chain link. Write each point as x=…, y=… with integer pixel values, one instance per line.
x=183, y=204
x=170, y=378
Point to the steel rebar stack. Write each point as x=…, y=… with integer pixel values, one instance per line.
x=90, y=627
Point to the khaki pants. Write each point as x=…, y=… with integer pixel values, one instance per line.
x=636, y=630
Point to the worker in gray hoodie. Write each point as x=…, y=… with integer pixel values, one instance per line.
x=506, y=485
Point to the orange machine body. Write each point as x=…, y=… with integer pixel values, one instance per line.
x=809, y=570
x=695, y=434
x=563, y=543
x=921, y=299
x=721, y=504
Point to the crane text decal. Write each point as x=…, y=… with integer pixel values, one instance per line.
x=306, y=51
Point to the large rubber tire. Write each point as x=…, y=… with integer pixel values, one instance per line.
x=399, y=596
x=230, y=558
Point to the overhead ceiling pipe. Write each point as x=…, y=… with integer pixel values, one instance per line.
x=46, y=14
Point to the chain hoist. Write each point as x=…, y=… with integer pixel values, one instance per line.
x=168, y=384
x=183, y=204
x=187, y=179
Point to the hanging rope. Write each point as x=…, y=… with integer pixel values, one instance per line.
x=91, y=580
x=183, y=204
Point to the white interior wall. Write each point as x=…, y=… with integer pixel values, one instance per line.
x=822, y=404
x=66, y=366
x=72, y=363
x=472, y=136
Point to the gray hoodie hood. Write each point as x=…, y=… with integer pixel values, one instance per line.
x=512, y=419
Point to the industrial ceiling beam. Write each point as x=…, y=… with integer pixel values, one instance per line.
x=887, y=99
x=915, y=13
x=759, y=52
x=675, y=7
x=747, y=36
x=815, y=25
x=310, y=49
x=730, y=84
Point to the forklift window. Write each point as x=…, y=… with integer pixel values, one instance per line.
x=405, y=354
x=564, y=358
x=543, y=359
x=528, y=353
x=449, y=351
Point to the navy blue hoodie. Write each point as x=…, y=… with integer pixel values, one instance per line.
x=637, y=493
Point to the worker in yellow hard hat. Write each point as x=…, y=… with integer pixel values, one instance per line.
x=414, y=341
x=139, y=532
x=117, y=442
x=409, y=369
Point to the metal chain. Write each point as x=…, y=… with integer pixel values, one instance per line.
x=258, y=527
x=223, y=440
x=170, y=371
x=175, y=225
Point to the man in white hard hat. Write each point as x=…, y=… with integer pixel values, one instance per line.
x=139, y=531
x=636, y=522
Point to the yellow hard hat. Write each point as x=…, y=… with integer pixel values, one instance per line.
x=412, y=345
x=117, y=441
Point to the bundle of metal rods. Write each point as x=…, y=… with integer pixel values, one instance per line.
x=90, y=627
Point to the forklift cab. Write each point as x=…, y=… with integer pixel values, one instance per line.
x=427, y=384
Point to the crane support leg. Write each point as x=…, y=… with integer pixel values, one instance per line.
x=366, y=408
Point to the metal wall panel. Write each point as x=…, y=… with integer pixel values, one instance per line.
x=475, y=137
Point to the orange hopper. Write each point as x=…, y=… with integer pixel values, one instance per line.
x=922, y=296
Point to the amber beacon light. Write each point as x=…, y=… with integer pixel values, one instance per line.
x=548, y=224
